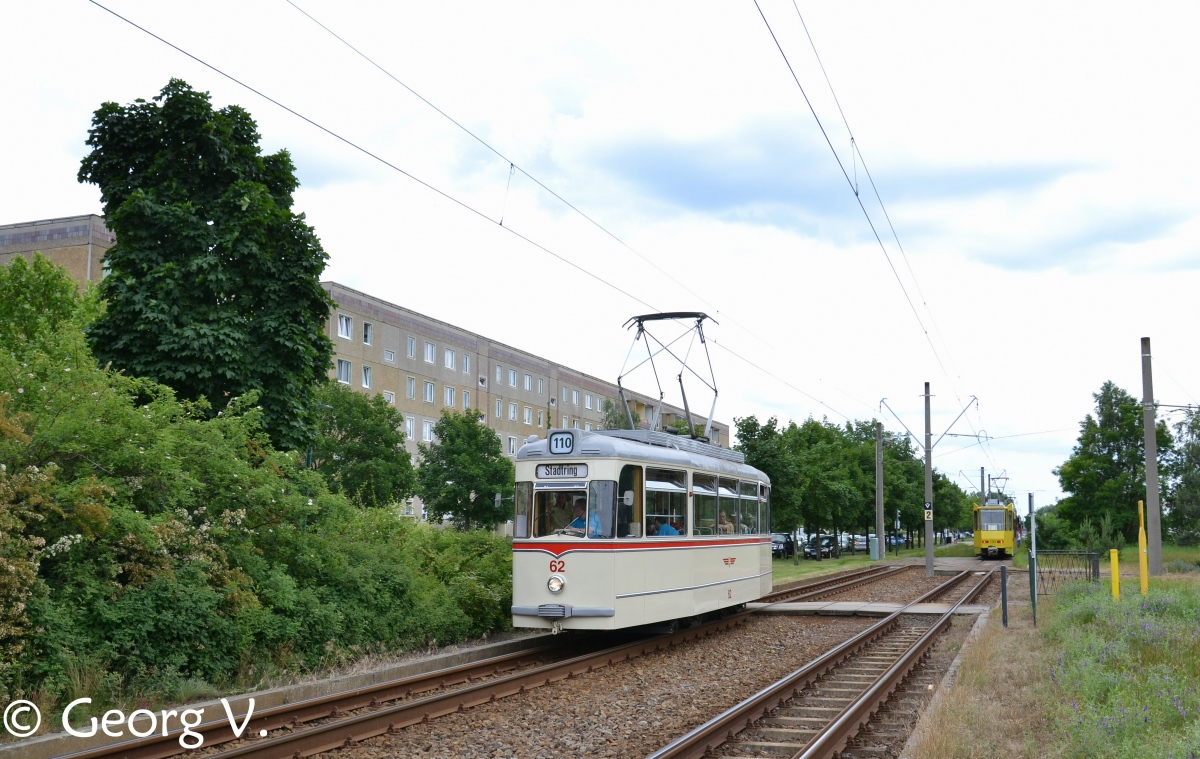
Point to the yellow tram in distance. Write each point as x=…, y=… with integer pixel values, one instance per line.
x=994, y=529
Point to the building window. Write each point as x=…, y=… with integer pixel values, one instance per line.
x=512, y=446
x=541, y=385
x=366, y=376
x=430, y=352
x=564, y=423
x=343, y=372
x=512, y=412
x=588, y=426
x=389, y=397
x=389, y=356
x=528, y=383
x=575, y=397
x=499, y=374
x=541, y=417
x=409, y=423
x=412, y=347
x=512, y=377
x=528, y=415
x=587, y=401
x=427, y=431
x=345, y=326
x=449, y=396
x=575, y=424
x=429, y=392
x=499, y=408
x=449, y=359
x=412, y=387
x=466, y=399
x=466, y=363
x=564, y=393
x=368, y=331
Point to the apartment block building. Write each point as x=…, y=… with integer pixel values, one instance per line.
x=77, y=243
x=422, y=365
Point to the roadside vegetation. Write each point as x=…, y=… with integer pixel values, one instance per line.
x=785, y=570
x=1097, y=678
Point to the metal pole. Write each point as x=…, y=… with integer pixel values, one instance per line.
x=880, y=547
x=1004, y=593
x=928, y=489
x=1153, y=509
x=1033, y=588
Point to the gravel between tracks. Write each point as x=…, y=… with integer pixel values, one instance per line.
x=629, y=709
x=900, y=587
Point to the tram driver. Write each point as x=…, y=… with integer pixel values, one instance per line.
x=576, y=527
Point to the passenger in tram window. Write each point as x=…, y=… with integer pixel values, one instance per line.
x=663, y=527
x=724, y=526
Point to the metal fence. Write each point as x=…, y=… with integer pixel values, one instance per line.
x=1056, y=568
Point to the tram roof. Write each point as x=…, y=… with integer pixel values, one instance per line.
x=648, y=447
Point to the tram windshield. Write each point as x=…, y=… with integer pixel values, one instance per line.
x=991, y=519
x=575, y=511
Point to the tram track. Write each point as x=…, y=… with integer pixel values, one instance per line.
x=818, y=710
x=342, y=719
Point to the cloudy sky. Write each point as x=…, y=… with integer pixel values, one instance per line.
x=1037, y=163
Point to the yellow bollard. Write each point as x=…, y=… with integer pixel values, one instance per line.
x=1143, y=556
x=1114, y=562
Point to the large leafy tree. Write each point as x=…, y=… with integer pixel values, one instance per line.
x=360, y=447
x=462, y=471
x=765, y=449
x=1106, y=474
x=213, y=285
x=615, y=417
x=1183, y=520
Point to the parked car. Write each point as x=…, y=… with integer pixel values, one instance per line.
x=782, y=546
x=827, y=545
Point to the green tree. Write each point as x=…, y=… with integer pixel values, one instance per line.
x=764, y=448
x=360, y=447
x=213, y=287
x=615, y=418
x=1183, y=519
x=462, y=471
x=35, y=298
x=1106, y=473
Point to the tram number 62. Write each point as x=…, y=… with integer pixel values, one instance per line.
x=558, y=566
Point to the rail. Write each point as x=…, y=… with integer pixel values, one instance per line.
x=834, y=736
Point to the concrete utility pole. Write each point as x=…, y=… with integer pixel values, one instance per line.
x=928, y=489
x=928, y=446
x=879, y=541
x=1153, y=508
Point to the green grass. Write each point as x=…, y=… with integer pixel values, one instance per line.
x=1126, y=679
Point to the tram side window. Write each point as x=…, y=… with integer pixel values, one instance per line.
x=704, y=488
x=629, y=518
x=749, y=501
x=764, y=495
x=666, y=503
x=728, y=507
x=523, y=500
x=554, y=510
x=602, y=508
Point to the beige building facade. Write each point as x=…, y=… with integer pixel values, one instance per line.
x=77, y=243
x=422, y=365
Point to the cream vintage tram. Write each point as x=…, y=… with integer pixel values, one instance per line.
x=619, y=528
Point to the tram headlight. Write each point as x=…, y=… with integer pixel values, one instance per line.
x=556, y=583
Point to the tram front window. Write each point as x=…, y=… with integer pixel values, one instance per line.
x=567, y=512
x=991, y=519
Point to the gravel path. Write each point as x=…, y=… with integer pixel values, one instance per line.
x=629, y=709
x=898, y=588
